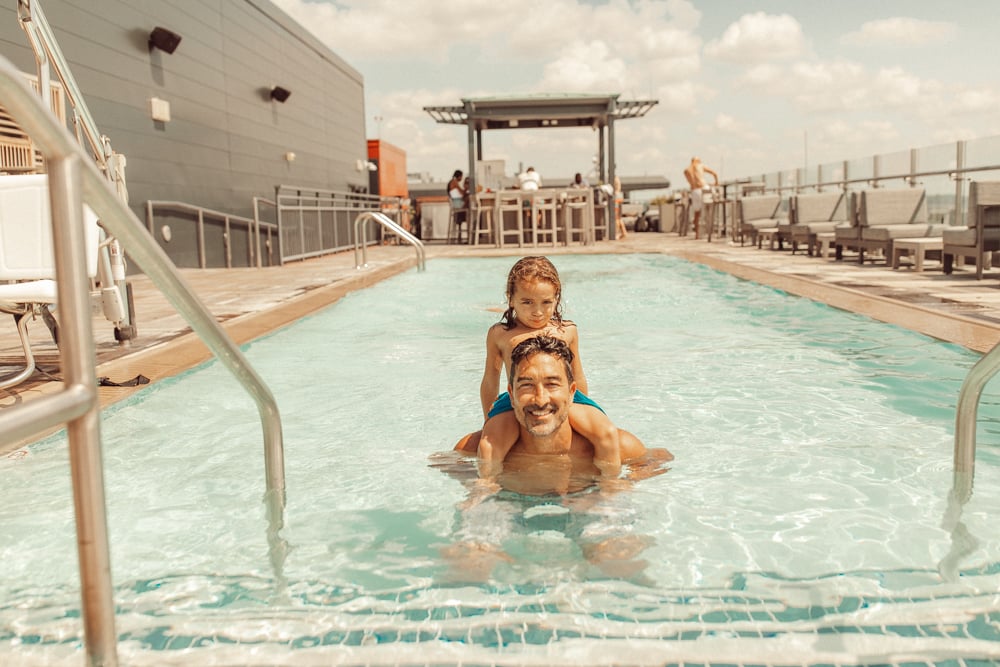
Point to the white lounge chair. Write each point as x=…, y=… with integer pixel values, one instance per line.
x=26, y=259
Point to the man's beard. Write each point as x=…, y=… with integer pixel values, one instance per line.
x=544, y=428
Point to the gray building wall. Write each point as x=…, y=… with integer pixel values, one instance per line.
x=226, y=140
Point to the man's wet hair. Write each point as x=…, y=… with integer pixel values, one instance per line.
x=538, y=345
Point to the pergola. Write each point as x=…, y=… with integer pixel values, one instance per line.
x=599, y=112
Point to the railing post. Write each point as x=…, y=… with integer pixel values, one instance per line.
x=227, y=242
x=201, y=240
x=960, y=213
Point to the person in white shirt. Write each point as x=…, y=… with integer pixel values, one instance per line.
x=530, y=179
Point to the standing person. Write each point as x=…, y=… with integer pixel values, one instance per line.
x=534, y=295
x=579, y=182
x=695, y=175
x=456, y=190
x=620, y=232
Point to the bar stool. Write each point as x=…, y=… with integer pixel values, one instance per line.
x=544, y=214
x=457, y=216
x=483, y=218
x=576, y=207
x=506, y=210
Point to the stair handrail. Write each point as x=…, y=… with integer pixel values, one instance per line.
x=965, y=420
x=74, y=178
x=361, y=239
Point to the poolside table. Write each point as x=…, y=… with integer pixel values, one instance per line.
x=917, y=248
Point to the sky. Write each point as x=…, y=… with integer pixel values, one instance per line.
x=749, y=86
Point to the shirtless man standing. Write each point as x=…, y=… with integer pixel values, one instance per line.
x=695, y=175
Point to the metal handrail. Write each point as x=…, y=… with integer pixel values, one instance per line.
x=74, y=178
x=251, y=224
x=965, y=418
x=361, y=241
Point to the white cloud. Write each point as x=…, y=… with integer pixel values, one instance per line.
x=901, y=31
x=583, y=67
x=728, y=125
x=759, y=37
x=383, y=29
x=842, y=86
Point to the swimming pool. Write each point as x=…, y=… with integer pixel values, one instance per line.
x=801, y=522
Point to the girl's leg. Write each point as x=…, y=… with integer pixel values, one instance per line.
x=499, y=435
x=595, y=426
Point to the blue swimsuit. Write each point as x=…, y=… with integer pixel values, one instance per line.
x=502, y=404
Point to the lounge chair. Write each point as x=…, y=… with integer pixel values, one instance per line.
x=757, y=213
x=26, y=257
x=815, y=213
x=982, y=235
x=884, y=215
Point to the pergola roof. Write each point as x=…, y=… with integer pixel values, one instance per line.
x=548, y=110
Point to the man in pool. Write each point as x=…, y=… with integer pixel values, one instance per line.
x=549, y=458
x=541, y=390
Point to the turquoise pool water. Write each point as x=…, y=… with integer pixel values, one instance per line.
x=802, y=522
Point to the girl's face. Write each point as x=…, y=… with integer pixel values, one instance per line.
x=534, y=302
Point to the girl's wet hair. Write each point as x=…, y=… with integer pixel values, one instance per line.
x=531, y=268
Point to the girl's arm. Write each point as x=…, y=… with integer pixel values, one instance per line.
x=490, y=386
x=572, y=337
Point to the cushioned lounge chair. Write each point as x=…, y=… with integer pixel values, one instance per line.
x=757, y=213
x=884, y=215
x=982, y=235
x=815, y=213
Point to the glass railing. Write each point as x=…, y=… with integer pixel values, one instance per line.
x=943, y=170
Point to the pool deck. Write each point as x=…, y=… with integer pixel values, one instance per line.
x=252, y=302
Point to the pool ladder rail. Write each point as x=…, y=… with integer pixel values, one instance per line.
x=361, y=239
x=74, y=179
x=965, y=420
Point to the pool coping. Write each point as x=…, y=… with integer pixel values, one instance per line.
x=947, y=327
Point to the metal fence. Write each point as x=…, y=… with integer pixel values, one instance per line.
x=306, y=223
x=315, y=222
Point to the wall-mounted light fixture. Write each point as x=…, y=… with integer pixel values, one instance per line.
x=159, y=110
x=164, y=40
x=361, y=165
x=280, y=94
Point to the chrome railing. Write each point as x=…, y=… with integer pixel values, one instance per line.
x=253, y=227
x=73, y=179
x=361, y=239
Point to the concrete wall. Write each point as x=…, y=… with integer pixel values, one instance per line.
x=226, y=140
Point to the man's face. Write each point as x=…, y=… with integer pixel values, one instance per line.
x=541, y=394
